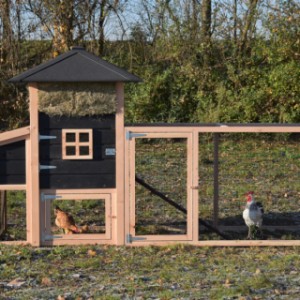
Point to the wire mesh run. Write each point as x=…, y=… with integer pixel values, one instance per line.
x=268, y=165
x=161, y=186
x=13, y=216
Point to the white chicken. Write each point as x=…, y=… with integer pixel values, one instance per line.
x=253, y=215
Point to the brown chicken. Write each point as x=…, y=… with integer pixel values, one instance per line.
x=65, y=221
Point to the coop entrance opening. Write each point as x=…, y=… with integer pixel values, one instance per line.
x=77, y=216
x=13, y=224
x=160, y=188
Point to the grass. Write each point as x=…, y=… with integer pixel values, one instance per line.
x=175, y=272
x=16, y=216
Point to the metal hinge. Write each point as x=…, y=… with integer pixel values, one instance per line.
x=130, y=135
x=47, y=137
x=45, y=167
x=130, y=238
x=52, y=237
x=45, y=197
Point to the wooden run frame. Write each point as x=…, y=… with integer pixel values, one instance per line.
x=167, y=130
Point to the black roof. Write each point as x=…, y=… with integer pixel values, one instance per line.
x=77, y=65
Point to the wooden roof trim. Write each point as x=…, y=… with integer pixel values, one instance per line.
x=15, y=135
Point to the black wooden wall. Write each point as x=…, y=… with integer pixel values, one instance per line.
x=12, y=163
x=98, y=172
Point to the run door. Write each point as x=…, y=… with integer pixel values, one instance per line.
x=160, y=187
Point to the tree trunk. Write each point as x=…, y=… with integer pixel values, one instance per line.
x=206, y=31
x=248, y=25
x=7, y=32
x=235, y=22
x=63, y=24
x=102, y=17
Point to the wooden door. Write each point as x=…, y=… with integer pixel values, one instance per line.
x=160, y=187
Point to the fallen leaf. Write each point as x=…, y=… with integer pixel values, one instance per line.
x=228, y=283
x=60, y=297
x=46, y=281
x=258, y=271
x=16, y=283
x=277, y=292
x=92, y=253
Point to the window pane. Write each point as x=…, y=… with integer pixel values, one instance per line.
x=70, y=137
x=70, y=150
x=84, y=150
x=83, y=137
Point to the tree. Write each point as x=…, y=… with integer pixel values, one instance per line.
x=6, y=33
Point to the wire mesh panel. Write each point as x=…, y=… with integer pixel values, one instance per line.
x=161, y=186
x=13, y=216
x=78, y=217
x=268, y=165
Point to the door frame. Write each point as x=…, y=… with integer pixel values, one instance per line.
x=191, y=187
x=78, y=195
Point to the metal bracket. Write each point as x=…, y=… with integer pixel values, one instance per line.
x=45, y=167
x=110, y=152
x=52, y=237
x=130, y=135
x=130, y=238
x=47, y=137
x=46, y=197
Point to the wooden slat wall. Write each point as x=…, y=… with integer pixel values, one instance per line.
x=12, y=163
x=96, y=173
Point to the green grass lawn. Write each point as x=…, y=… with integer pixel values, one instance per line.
x=175, y=272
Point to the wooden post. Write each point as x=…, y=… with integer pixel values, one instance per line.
x=28, y=197
x=216, y=179
x=120, y=167
x=32, y=180
x=195, y=183
x=3, y=212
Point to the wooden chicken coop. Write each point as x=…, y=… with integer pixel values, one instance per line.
x=135, y=184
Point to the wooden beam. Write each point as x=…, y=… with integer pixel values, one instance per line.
x=3, y=212
x=12, y=187
x=119, y=204
x=195, y=186
x=233, y=243
x=13, y=136
x=252, y=128
x=33, y=185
